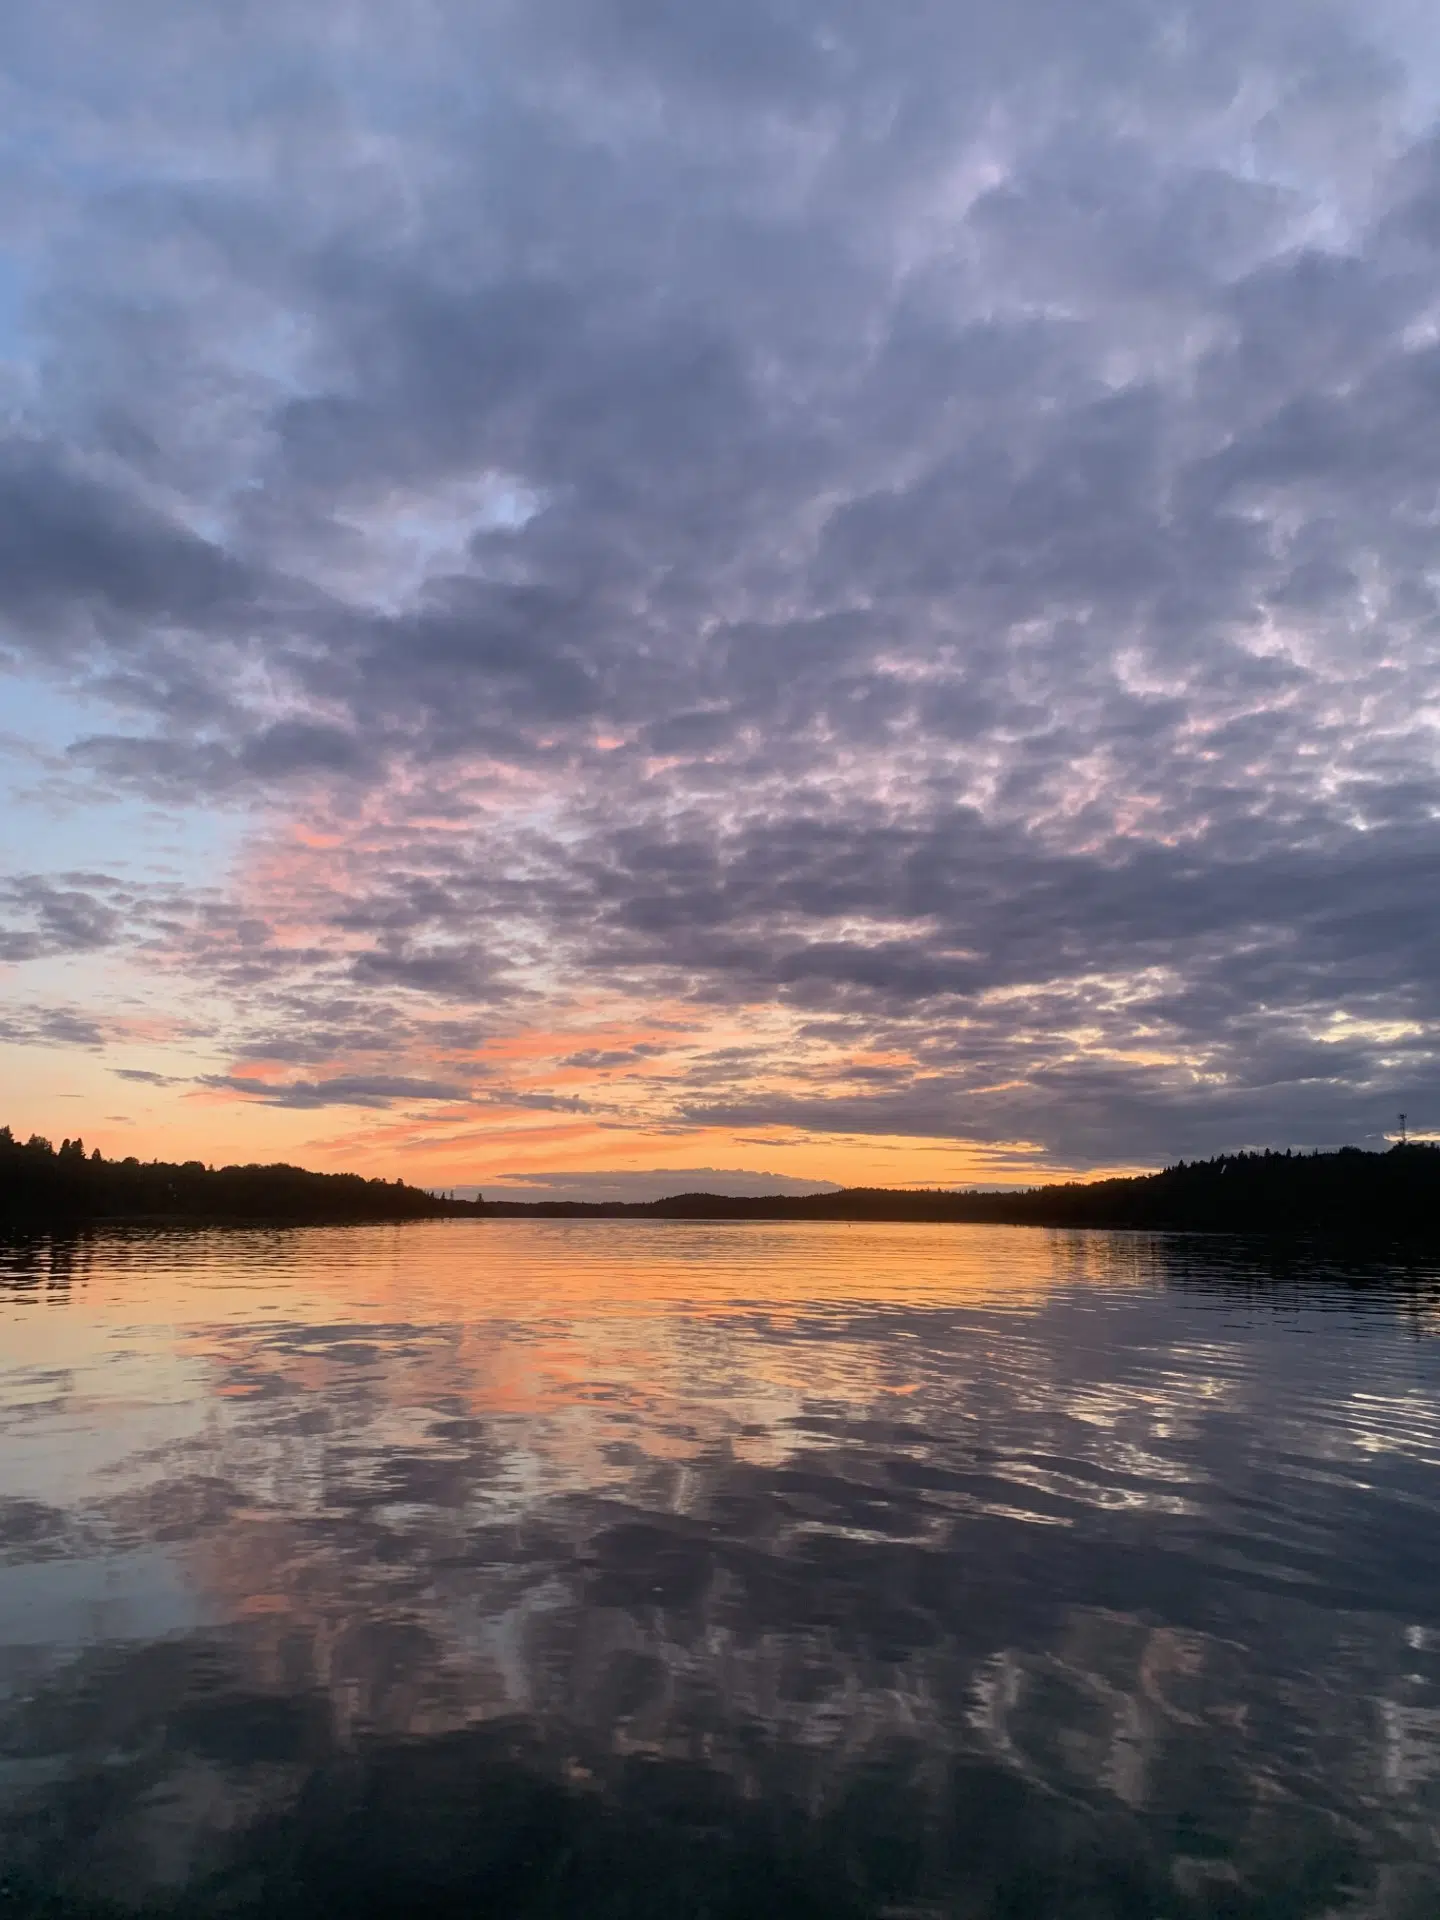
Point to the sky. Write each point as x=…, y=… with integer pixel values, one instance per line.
x=603, y=595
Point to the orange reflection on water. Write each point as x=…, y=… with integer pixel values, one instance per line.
x=678, y=1338
x=575, y=1300
x=591, y=1337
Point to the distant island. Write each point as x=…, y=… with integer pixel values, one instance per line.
x=1387, y=1196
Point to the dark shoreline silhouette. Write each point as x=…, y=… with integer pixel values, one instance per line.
x=1393, y=1195
x=44, y=1186
x=1388, y=1196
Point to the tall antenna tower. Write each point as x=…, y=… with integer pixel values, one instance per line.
x=1402, y=1130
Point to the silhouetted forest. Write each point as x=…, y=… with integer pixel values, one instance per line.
x=1393, y=1195
x=1390, y=1195
x=44, y=1185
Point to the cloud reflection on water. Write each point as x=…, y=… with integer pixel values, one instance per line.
x=787, y=1550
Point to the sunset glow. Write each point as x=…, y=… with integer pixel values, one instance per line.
x=594, y=599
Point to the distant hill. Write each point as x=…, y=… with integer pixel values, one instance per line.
x=1391, y=1195
x=1388, y=1196
x=41, y=1185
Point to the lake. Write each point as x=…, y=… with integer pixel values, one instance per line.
x=642, y=1569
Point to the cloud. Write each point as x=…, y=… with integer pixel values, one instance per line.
x=909, y=528
x=601, y=1059
x=653, y=1184
x=51, y=1027
x=76, y=552
x=47, y=916
x=540, y=1102
x=61, y=919
x=340, y=1090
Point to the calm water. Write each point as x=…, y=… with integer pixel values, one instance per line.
x=518, y=1568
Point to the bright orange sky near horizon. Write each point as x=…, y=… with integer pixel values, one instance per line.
x=507, y=1141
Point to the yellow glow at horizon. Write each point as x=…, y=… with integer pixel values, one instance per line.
x=468, y=1145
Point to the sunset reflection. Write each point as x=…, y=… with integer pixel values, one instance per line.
x=803, y=1512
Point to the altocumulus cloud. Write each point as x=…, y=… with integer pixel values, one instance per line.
x=339, y=1090
x=919, y=520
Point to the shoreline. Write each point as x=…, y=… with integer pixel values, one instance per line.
x=1351, y=1241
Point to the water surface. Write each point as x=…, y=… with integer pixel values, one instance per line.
x=635, y=1568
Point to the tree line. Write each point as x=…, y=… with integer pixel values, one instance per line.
x=45, y=1185
x=1388, y=1195
x=1391, y=1195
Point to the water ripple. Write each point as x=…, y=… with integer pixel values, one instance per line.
x=893, y=1561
